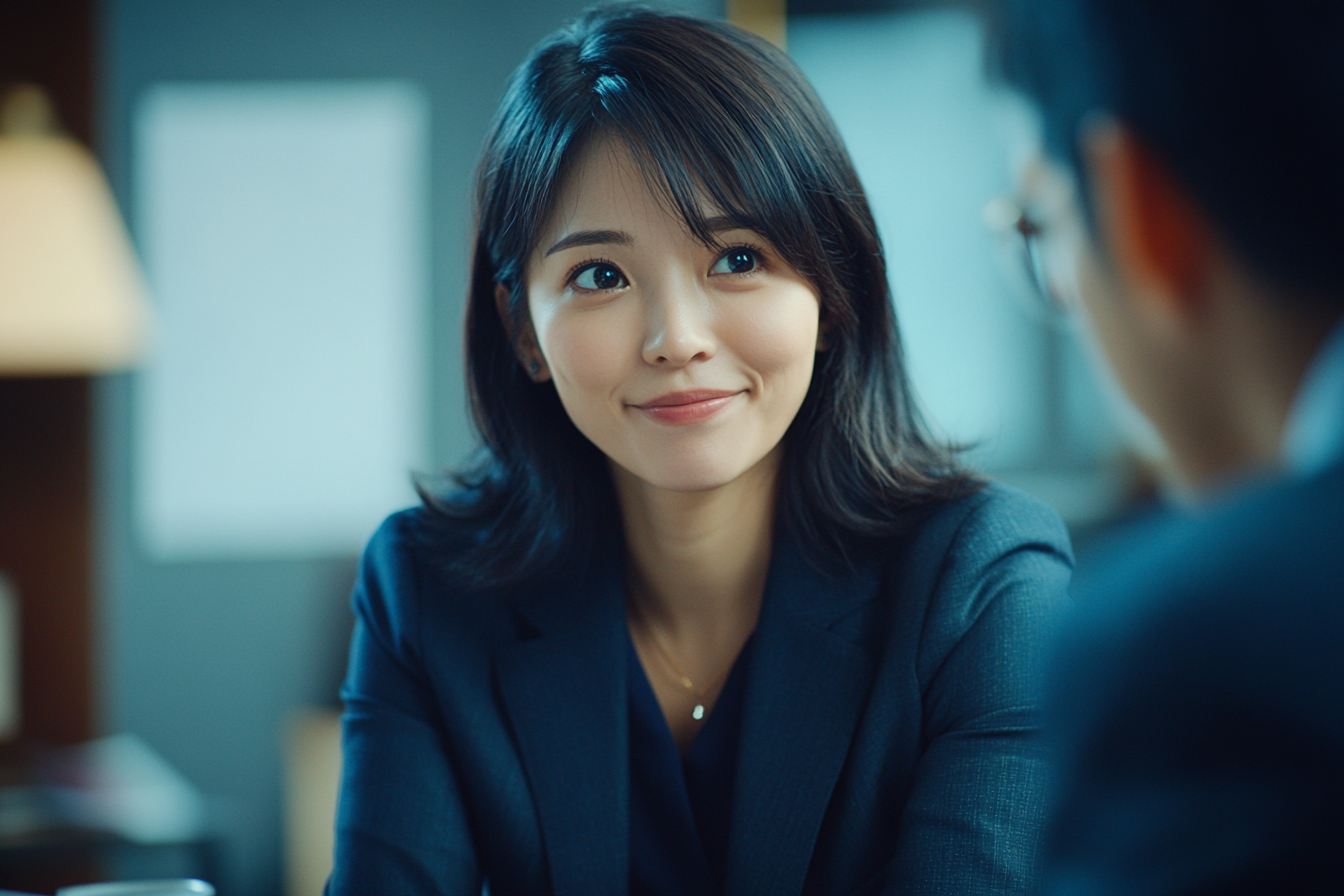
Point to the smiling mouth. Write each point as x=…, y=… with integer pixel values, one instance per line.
x=680, y=408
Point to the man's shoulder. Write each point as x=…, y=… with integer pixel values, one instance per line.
x=1252, y=586
x=1279, y=538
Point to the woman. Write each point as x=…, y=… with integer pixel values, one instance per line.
x=711, y=614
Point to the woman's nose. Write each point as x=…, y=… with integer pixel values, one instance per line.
x=679, y=328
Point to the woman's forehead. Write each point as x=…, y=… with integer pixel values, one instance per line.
x=608, y=185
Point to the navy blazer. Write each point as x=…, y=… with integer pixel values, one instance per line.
x=888, y=738
x=1200, y=704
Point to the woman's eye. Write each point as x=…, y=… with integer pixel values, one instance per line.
x=599, y=276
x=738, y=260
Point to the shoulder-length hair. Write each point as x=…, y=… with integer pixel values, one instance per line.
x=722, y=123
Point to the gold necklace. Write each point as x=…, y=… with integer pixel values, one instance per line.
x=679, y=674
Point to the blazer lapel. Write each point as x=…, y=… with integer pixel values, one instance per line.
x=806, y=690
x=565, y=694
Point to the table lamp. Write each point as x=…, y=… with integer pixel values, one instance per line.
x=72, y=303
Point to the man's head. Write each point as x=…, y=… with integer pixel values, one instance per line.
x=1206, y=140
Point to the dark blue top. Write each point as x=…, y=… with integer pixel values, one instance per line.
x=680, y=807
x=1199, y=703
x=887, y=741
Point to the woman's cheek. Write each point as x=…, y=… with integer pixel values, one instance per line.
x=585, y=354
x=778, y=331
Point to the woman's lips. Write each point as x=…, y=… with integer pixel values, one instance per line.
x=680, y=408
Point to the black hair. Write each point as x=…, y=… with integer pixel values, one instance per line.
x=1243, y=102
x=712, y=114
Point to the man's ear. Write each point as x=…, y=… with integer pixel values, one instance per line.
x=1155, y=235
x=523, y=337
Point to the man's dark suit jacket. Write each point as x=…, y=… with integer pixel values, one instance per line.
x=1201, y=706
x=888, y=738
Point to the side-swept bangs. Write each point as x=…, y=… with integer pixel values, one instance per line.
x=723, y=125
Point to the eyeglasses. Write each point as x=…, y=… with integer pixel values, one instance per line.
x=1022, y=236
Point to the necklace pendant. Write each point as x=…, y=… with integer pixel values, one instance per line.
x=699, y=712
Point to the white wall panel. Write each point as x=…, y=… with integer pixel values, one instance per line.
x=285, y=232
x=927, y=136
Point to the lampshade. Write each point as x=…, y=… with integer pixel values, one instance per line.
x=72, y=298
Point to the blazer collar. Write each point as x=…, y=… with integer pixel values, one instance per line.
x=806, y=690
x=564, y=688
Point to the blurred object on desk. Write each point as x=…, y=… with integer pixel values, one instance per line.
x=10, y=715
x=312, y=782
x=121, y=785
x=182, y=887
x=111, y=808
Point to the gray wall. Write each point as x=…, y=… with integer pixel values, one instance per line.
x=205, y=661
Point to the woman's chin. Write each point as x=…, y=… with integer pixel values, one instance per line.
x=689, y=474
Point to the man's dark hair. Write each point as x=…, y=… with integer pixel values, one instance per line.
x=717, y=118
x=1243, y=102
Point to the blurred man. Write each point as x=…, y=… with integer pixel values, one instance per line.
x=1191, y=200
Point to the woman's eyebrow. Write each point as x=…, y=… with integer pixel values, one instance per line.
x=592, y=238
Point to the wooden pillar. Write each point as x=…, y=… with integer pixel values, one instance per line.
x=45, y=548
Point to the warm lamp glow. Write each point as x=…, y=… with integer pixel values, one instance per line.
x=764, y=18
x=72, y=299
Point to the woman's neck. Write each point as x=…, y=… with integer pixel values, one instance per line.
x=697, y=560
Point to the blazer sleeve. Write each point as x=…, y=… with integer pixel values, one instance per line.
x=401, y=826
x=973, y=819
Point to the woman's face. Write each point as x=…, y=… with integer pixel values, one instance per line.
x=684, y=364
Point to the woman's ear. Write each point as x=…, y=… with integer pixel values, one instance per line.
x=524, y=339
x=823, y=334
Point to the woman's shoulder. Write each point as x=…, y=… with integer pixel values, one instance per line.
x=994, y=561
x=986, y=526
x=427, y=539
x=406, y=572
x=399, y=550
x=386, y=593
